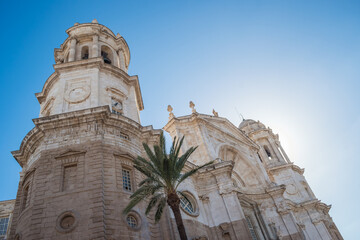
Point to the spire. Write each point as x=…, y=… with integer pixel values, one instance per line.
x=94, y=21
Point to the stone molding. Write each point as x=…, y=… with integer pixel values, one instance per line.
x=91, y=63
x=208, y=120
x=286, y=166
x=96, y=118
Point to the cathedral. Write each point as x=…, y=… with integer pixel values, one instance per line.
x=77, y=162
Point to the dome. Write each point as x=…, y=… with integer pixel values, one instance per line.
x=246, y=122
x=249, y=125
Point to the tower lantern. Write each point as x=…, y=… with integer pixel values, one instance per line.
x=90, y=71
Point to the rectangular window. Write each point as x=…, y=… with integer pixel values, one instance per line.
x=26, y=198
x=3, y=226
x=69, y=178
x=126, y=176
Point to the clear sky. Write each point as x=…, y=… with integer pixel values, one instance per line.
x=294, y=65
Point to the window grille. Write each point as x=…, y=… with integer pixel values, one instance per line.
x=3, y=226
x=126, y=180
x=251, y=228
x=131, y=221
x=186, y=205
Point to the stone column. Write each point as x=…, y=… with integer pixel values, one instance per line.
x=322, y=230
x=72, y=50
x=284, y=153
x=95, y=47
x=236, y=215
x=209, y=218
x=122, y=60
x=277, y=151
x=290, y=225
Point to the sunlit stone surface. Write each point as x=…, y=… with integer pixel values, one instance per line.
x=77, y=162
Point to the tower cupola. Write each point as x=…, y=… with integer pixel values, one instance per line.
x=271, y=151
x=92, y=40
x=91, y=71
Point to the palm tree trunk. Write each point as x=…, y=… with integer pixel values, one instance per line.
x=174, y=203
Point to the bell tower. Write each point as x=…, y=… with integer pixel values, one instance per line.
x=90, y=71
x=271, y=152
x=77, y=162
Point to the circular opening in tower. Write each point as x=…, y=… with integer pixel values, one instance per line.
x=67, y=222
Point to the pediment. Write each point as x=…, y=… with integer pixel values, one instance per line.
x=222, y=125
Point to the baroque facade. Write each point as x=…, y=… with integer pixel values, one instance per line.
x=77, y=162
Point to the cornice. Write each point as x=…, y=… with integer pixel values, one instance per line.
x=287, y=166
x=97, y=114
x=218, y=168
x=207, y=120
x=276, y=190
x=314, y=203
x=89, y=63
x=41, y=96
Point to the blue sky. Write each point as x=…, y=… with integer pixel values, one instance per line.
x=294, y=65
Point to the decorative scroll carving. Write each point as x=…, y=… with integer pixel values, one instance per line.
x=77, y=94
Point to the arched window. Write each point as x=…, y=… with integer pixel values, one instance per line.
x=106, y=54
x=268, y=153
x=85, y=52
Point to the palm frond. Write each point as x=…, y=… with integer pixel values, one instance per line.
x=131, y=204
x=182, y=194
x=160, y=209
x=153, y=202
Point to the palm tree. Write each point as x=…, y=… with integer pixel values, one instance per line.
x=163, y=174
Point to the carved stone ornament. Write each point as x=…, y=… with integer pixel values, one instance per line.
x=291, y=189
x=224, y=228
x=192, y=106
x=170, y=109
x=215, y=113
x=77, y=94
x=67, y=221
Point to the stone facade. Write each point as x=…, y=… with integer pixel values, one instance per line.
x=77, y=162
x=6, y=212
